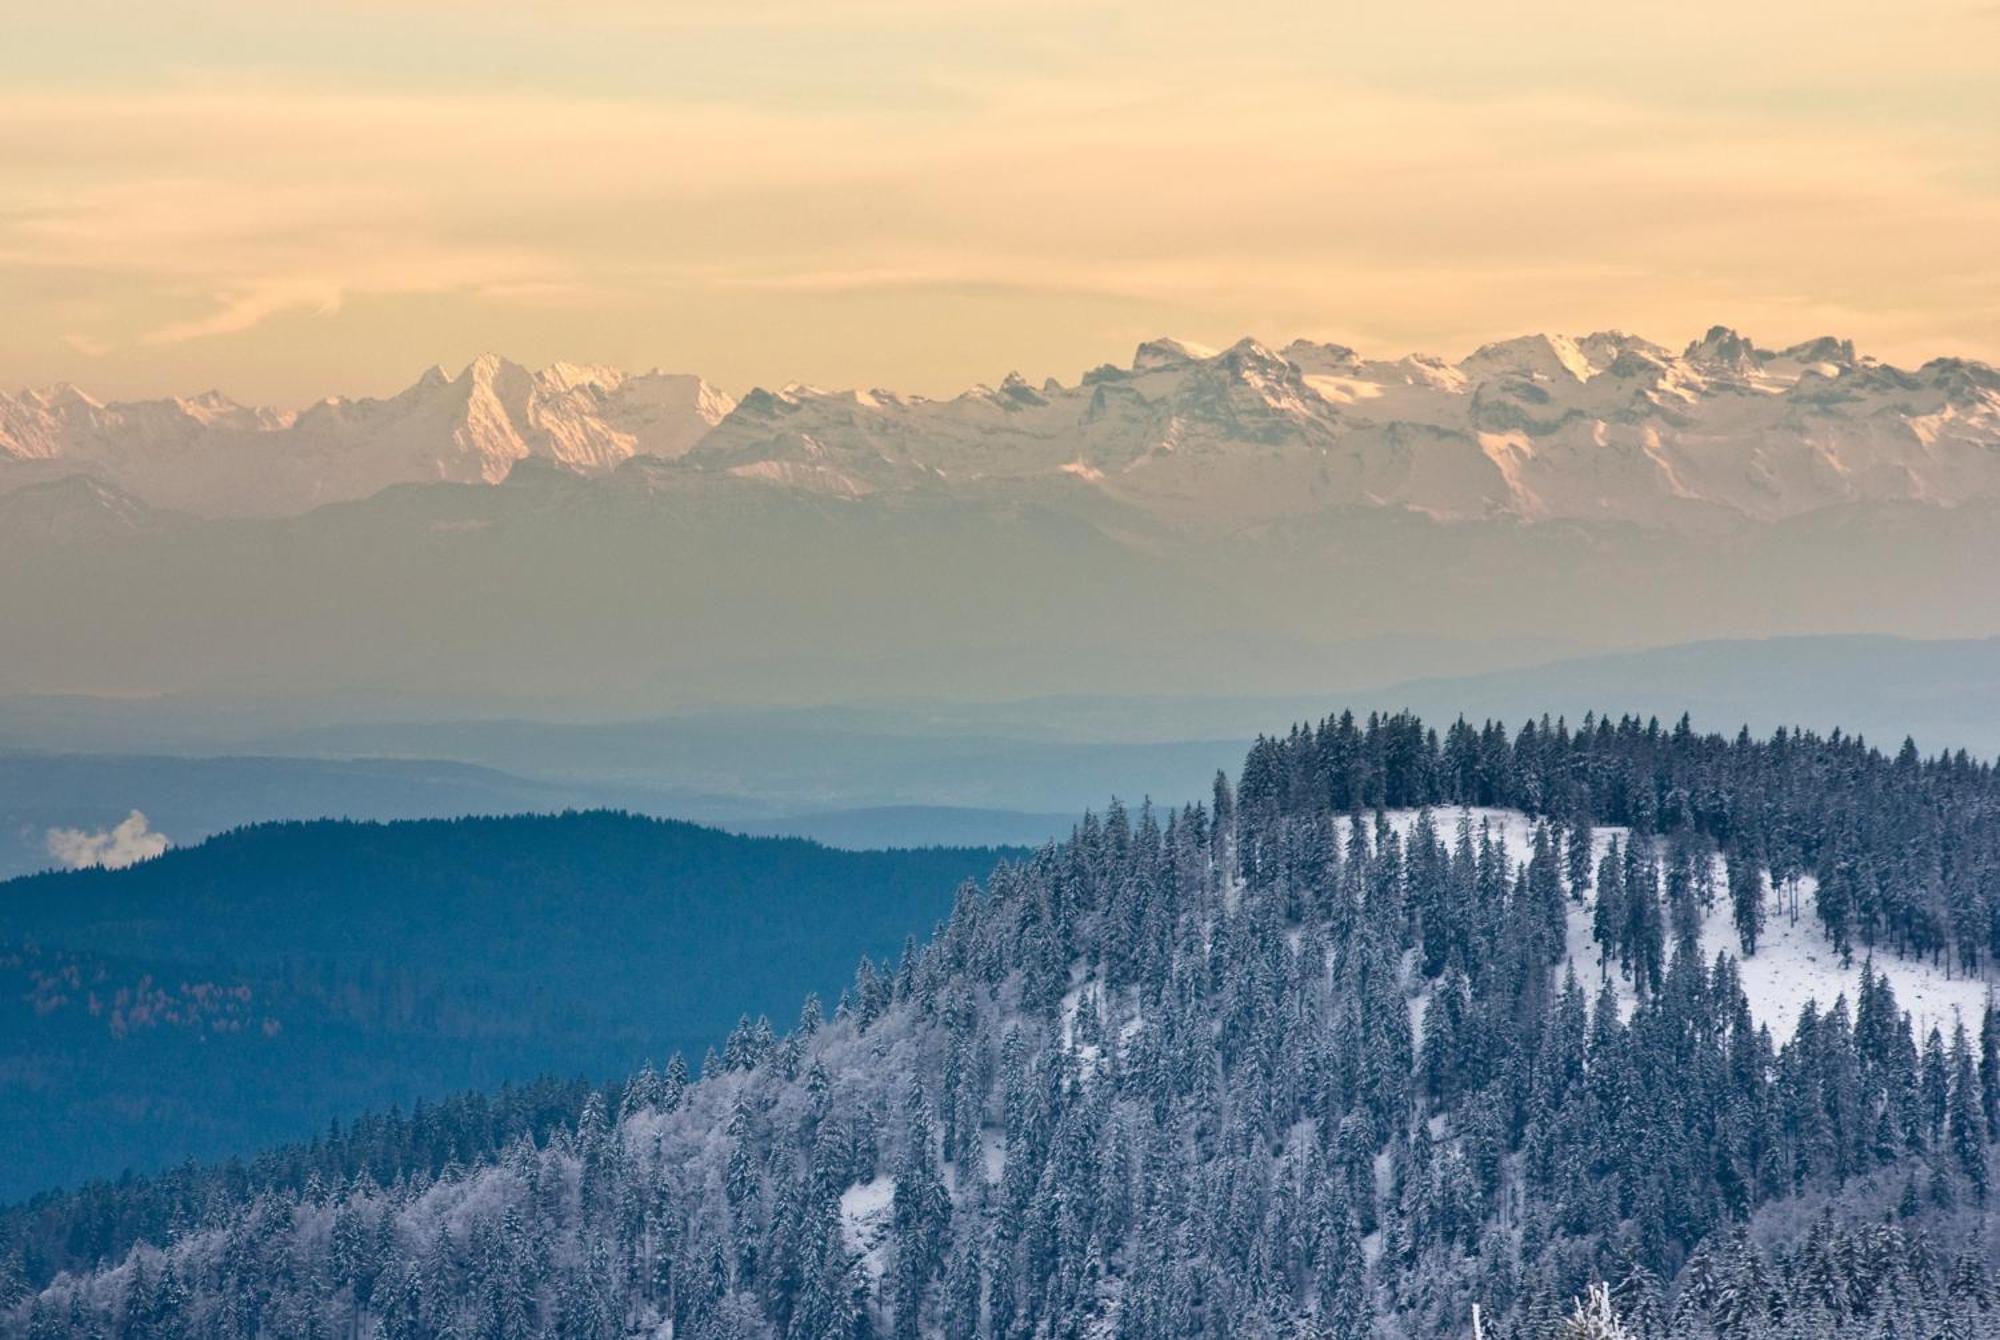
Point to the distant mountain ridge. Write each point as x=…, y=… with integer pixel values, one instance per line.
x=1604, y=427
x=258, y=984
x=212, y=456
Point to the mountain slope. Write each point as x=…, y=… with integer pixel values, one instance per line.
x=210, y=456
x=253, y=987
x=1253, y=1071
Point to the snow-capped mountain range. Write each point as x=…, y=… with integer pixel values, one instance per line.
x=212, y=456
x=1545, y=427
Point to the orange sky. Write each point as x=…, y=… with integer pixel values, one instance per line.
x=284, y=201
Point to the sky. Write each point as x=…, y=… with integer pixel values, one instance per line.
x=289, y=200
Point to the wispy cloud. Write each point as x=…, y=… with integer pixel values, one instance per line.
x=1429, y=178
x=245, y=310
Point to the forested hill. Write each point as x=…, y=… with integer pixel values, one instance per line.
x=1336, y=1056
x=249, y=989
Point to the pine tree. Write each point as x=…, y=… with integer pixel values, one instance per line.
x=921, y=1211
x=1965, y=1121
x=1989, y=1066
x=1746, y=899
x=1608, y=916
x=1577, y=850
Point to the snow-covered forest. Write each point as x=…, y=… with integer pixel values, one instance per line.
x=1401, y=1025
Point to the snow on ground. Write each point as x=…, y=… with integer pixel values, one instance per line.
x=1795, y=961
x=993, y=1154
x=864, y=1221
x=1419, y=999
x=1076, y=998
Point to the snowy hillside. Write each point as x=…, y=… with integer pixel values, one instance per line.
x=1795, y=963
x=1161, y=1080
x=1603, y=427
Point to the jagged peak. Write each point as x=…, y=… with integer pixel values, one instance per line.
x=61, y=395
x=1963, y=377
x=563, y=376
x=764, y=401
x=1015, y=389
x=210, y=406
x=1825, y=349
x=1323, y=353
x=490, y=366
x=1605, y=347
x=1168, y=352
x=1250, y=350
x=1537, y=355
x=1723, y=347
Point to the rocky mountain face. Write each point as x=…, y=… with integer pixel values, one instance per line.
x=1608, y=427
x=211, y=456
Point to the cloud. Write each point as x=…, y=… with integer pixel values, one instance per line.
x=242, y=311
x=114, y=848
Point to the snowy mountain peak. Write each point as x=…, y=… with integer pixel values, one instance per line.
x=1540, y=357
x=579, y=376
x=1016, y=393
x=1154, y=355
x=1723, y=348
x=1312, y=356
x=1825, y=349
x=1602, y=426
x=62, y=396
x=494, y=371
x=1605, y=349
x=194, y=453
x=485, y=366
x=1248, y=352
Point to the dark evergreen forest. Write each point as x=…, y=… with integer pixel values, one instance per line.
x=1272, y=1066
x=248, y=990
